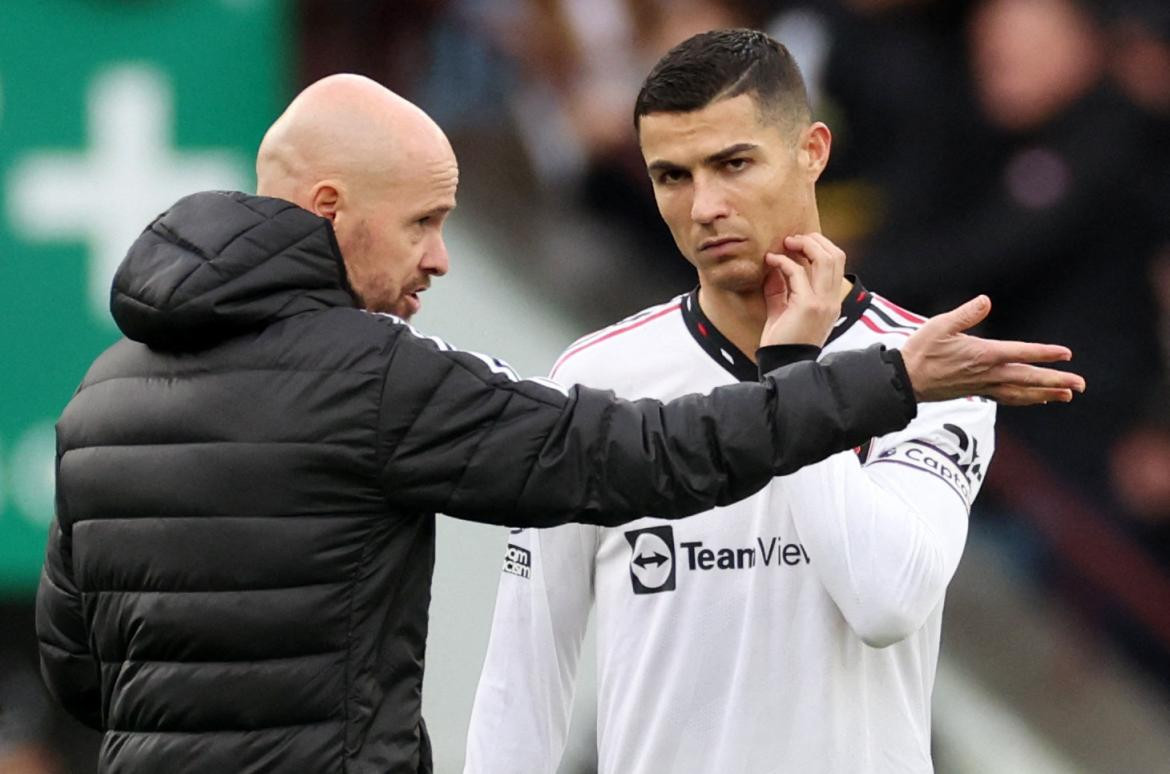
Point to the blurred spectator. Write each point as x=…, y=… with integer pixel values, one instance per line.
x=1141, y=61
x=1054, y=234
x=1141, y=471
x=889, y=76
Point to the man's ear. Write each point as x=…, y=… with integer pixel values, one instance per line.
x=326, y=199
x=813, y=148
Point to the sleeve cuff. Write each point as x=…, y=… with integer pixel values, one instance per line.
x=779, y=355
x=902, y=376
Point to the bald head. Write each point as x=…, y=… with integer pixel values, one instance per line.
x=380, y=171
x=347, y=129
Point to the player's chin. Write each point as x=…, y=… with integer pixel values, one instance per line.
x=742, y=276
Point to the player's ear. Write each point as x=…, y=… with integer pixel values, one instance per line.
x=813, y=146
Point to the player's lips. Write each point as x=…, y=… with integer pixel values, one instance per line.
x=720, y=245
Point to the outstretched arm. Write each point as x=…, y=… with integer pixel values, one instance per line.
x=461, y=435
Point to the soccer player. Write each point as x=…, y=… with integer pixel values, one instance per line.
x=797, y=630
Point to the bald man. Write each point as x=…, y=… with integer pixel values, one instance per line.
x=238, y=575
x=380, y=170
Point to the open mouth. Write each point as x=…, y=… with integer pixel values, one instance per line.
x=412, y=300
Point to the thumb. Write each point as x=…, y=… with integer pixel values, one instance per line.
x=966, y=316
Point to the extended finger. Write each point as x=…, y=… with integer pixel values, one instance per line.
x=1022, y=375
x=1023, y=352
x=1014, y=395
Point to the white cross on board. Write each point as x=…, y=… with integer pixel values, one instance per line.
x=130, y=173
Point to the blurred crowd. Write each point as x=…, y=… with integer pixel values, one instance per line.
x=1019, y=148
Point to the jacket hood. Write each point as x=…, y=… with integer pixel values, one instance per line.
x=218, y=264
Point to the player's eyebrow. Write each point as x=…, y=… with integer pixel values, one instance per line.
x=733, y=150
x=664, y=166
x=659, y=165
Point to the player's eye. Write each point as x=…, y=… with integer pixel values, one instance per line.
x=671, y=176
x=737, y=164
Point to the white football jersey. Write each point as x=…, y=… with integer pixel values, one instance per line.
x=794, y=631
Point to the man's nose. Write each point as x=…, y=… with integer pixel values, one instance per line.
x=709, y=204
x=436, y=261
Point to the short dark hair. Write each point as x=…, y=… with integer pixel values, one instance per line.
x=721, y=64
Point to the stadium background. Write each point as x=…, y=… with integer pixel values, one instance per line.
x=1056, y=653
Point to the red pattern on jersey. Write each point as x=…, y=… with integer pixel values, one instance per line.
x=617, y=331
x=899, y=310
x=875, y=325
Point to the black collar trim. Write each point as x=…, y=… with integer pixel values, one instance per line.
x=728, y=356
x=852, y=308
x=715, y=344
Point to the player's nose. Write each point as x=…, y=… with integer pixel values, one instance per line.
x=708, y=203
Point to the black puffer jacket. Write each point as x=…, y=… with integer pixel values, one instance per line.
x=239, y=573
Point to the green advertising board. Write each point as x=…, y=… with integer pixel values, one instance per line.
x=109, y=112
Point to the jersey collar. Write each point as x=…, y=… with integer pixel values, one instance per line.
x=727, y=355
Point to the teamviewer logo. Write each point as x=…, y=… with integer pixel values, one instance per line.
x=651, y=559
